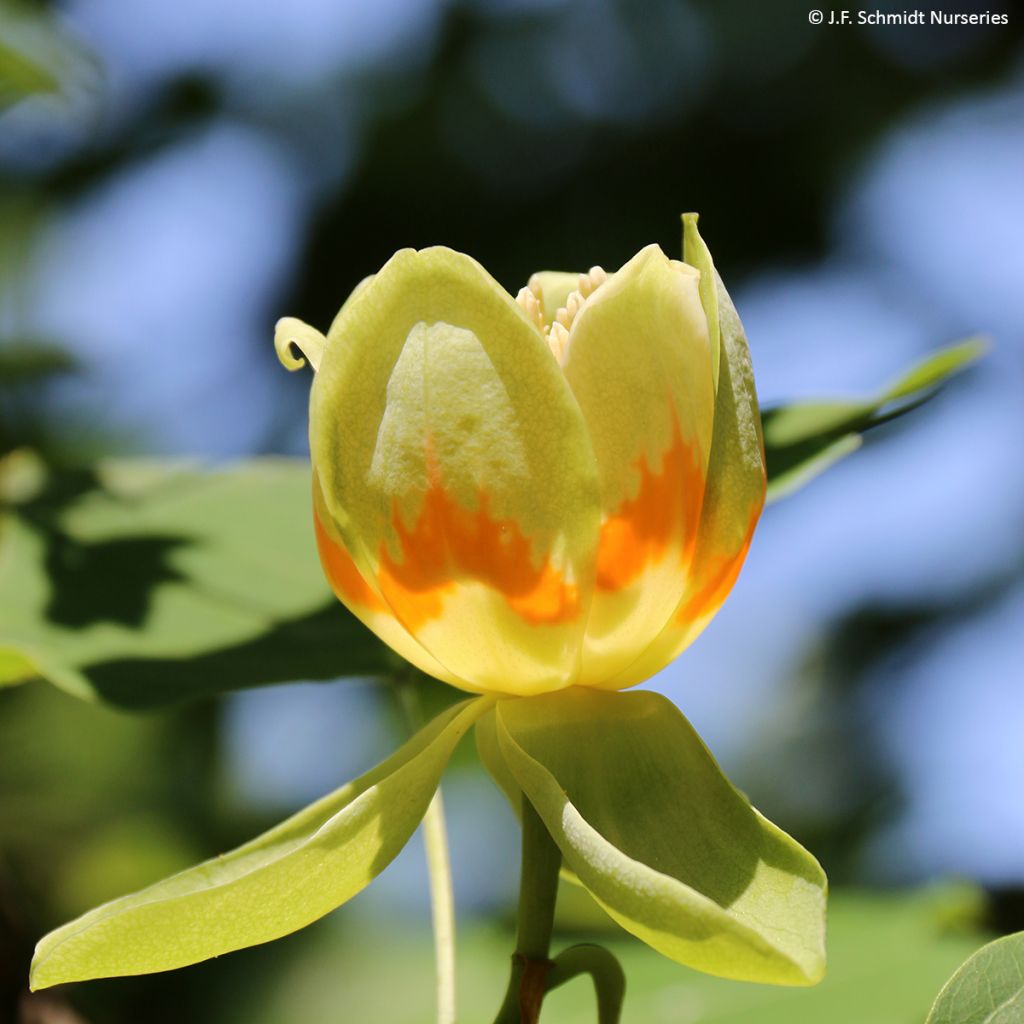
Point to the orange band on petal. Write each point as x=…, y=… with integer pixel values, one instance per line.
x=716, y=578
x=344, y=577
x=664, y=514
x=449, y=544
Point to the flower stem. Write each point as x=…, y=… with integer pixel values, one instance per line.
x=606, y=972
x=439, y=870
x=442, y=907
x=538, y=888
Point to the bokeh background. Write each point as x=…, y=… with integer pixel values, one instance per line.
x=211, y=166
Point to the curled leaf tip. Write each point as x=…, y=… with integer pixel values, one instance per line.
x=296, y=343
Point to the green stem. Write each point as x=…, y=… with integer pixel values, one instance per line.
x=606, y=972
x=538, y=887
x=439, y=871
x=442, y=906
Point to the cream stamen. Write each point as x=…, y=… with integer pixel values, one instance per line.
x=557, y=332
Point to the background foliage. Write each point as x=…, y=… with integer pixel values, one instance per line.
x=179, y=176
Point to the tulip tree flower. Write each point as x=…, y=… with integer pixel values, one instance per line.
x=541, y=500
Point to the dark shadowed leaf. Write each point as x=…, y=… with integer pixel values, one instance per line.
x=141, y=583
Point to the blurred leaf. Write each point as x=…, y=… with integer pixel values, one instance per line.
x=14, y=668
x=29, y=361
x=988, y=988
x=128, y=852
x=20, y=76
x=804, y=439
x=144, y=582
x=280, y=882
x=39, y=57
x=661, y=839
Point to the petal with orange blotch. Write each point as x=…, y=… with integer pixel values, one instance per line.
x=639, y=364
x=735, y=487
x=362, y=599
x=456, y=466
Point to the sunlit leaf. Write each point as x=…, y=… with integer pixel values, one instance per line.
x=15, y=668
x=803, y=439
x=661, y=839
x=20, y=76
x=274, y=885
x=140, y=583
x=987, y=989
x=40, y=58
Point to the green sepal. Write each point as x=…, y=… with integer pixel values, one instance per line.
x=489, y=751
x=274, y=885
x=987, y=989
x=803, y=439
x=661, y=839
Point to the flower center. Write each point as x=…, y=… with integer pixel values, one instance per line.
x=556, y=330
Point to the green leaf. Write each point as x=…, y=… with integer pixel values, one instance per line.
x=274, y=885
x=661, y=839
x=142, y=582
x=987, y=989
x=39, y=57
x=813, y=463
x=803, y=439
x=29, y=362
x=14, y=668
x=20, y=76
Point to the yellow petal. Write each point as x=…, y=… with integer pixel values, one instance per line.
x=456, y=468
x=362, y=598
x=735, y=489
x=639, y=364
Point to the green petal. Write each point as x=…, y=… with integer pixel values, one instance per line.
x=661, y=838
x=987, y=989
x=695, y=252
x=736, y=481
x=274, y=885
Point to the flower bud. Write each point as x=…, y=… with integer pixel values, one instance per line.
x=525, y=494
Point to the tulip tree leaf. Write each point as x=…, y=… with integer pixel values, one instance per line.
x=661, y=839
x=280, y=882
x=140, y=583
x=21, y=76
x=29, y=361
x=987, y=989
x=803, y=439
x=39, y=58
x=14, y=668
